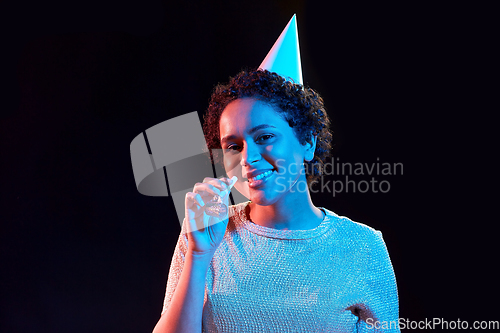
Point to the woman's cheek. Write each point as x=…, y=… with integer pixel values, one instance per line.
x=232, y=164
x=281, y=166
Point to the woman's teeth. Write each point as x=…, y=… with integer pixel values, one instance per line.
x=262, y=175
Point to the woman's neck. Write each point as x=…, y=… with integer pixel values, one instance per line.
x=294, y=211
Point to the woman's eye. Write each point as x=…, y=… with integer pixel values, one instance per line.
x=264, y=137
x=232, y=148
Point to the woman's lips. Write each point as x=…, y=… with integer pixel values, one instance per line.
x=257, y=181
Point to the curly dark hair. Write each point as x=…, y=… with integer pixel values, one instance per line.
x=301, y=107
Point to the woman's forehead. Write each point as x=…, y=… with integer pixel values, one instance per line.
x=244, y=114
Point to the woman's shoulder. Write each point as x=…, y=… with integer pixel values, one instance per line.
x=237, y=216
x=347, y=228
x=237, y=210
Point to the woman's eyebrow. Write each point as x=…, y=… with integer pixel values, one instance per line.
x=251, y=131
x=259, y=127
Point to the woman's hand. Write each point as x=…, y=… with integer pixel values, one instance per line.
x=205, y=232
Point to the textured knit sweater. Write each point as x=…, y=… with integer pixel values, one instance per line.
x=336, y=277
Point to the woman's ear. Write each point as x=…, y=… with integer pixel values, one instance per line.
x=310, y=148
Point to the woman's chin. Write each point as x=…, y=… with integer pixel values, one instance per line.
x=260, y=199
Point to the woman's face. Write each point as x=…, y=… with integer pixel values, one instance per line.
x=261, y=149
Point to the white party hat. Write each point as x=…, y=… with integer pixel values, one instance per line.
x=284, y=57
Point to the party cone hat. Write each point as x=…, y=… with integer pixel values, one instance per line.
x=284, y=57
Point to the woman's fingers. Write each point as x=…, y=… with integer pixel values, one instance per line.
x=223, y=184
x=194, y=199
x=199, y=208
x=213, y=186
x=206, y=189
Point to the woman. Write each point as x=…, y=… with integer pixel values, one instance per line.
x=278, y=263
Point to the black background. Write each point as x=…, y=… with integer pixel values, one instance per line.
x=83, y=251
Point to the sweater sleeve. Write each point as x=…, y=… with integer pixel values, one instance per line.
x=381, y=313
x=175, y=271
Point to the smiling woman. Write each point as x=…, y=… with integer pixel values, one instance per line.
x=276, y=263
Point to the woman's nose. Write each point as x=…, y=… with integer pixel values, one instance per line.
x=250, y=154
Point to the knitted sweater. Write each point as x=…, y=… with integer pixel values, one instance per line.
x=336, y=277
